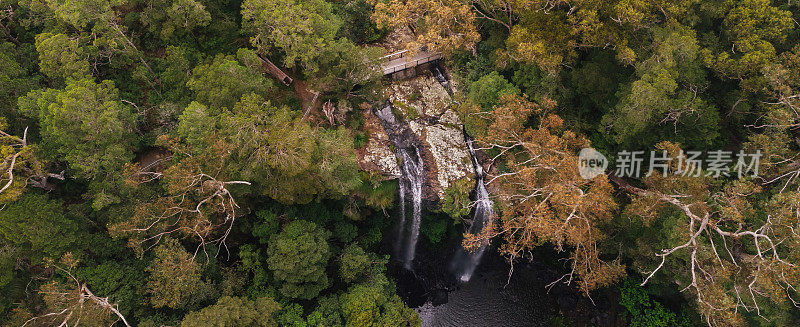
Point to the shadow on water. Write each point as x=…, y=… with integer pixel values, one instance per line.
x=485, y=300
x=490, y=298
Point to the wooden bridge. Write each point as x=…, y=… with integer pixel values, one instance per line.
x=390, y=64
x=402, y=60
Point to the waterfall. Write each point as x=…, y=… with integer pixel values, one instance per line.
x=464, y=262
x=413, y=177
x=437, y=74
x=410, y=183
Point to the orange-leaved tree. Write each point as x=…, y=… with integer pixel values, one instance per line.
x=541, y=196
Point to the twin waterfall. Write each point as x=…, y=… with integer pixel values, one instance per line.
x=406, y=148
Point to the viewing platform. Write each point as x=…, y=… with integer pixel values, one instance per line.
x=403, y=60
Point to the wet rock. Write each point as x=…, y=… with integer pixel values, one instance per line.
x=377, y=155
x=449, y=151
x=420, y=96
x=424, y=105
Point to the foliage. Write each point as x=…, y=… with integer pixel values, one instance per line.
x=753, y=28
x=38, y=225
x=15, y=79
x=373, y=304
x=85, y=124
x=175, y=277
x=377, y=194
x=297, y=258
x=148, y=139
x=222, y=82
x=235, y=311
x=174, y=18
x=302, y=29
x=666, y=93
x=487, y=90
x=644, y=311
x=326, y=313
x=557, y=205
x=456, y=202
x=357, y=25
x=355, y=264
x=121, y=281
x=435, y=229
x=442, y=26
x=61, y=57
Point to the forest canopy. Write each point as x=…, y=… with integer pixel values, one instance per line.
x=202, y=162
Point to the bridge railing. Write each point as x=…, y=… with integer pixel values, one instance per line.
x=393, y=56
x=410, y=64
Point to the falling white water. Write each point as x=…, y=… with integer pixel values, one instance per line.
x=413, y=174
x=464, y=262
x=411, y=181
x=398, y=248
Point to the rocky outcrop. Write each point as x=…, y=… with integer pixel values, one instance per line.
x=425, y=105
x=377, y=155
x=446, y=145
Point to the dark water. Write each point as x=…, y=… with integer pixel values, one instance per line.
x=489, y=298
x=486, y=300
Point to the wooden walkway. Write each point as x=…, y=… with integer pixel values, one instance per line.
x=276, y=72
x=401, y=60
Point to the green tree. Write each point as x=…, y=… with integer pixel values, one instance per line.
x=292, y=315
x=15, y=80
x=644, y=311
x=487, y=90
x=336, y=162
x=373, y=303
x=292, y=161
x=357, y=23
x=327, y=313
x=668, y=93
x=168, y=18
x=342, y=65
x=83, y=14
x=354, y=263
x=456, y=202
x=301, y=29
x=176, y=73
x=753, y=31
x=38, y=226
x=252, y=262
x=85, y=124
x=196, y=126
x=174, y=279
x=62, y=57
x=223, y=81
x=235, y=312
x=121, y=280
x=297, y=258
